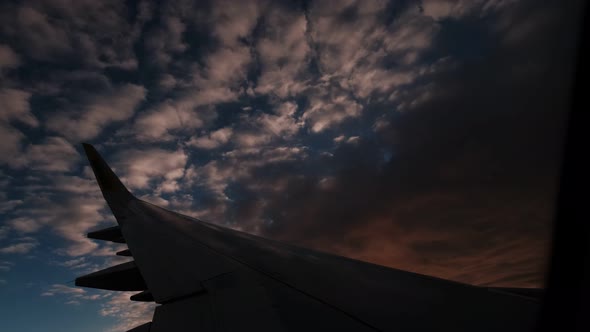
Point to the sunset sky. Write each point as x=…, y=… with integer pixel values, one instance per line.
x=424, y=136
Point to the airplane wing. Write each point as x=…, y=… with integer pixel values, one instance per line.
x=209, y=278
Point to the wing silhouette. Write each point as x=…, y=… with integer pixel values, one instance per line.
x=209, y=278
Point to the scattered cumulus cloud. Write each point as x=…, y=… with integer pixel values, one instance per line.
x=15, y=107
x=155, y=166
x=98, y=111
x=20, y=246
x=213, y=140
x=355, y=126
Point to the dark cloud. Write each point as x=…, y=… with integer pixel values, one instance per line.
x=475, y=167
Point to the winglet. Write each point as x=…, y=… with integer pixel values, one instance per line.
x=109, y=183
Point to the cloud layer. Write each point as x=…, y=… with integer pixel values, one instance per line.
x=422, y=136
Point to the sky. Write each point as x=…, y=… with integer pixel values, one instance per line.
x=421, y=135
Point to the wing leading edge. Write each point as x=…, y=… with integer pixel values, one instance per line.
x=209, y=278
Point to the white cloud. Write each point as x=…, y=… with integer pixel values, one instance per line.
x=284, y=53
x=24, y=246
x=339, y=139
x=411, y=34
x=233, y=20
x=353, y=140
x=380, y=124
x=156, y=200
x=15, y=107
x=341, y=46
x=365, y=82
x=238, y=165
x=56, y=289
x=225, y=67
x=74, y=295
x=355, y=58
x=283, y=122
x=69, y=214
x=25, y=224
x=327, y=110
x=75, y=263
x=213, y=140
x=251, y=139
x=98, y=111
x=441, y=9
x=163, y=120
x=140, y=167
x=55, y=154
x=76, y=185
x=128, y=313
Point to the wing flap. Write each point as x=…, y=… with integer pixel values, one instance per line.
x=112, y=234
x=122, y=277
x=145, y=296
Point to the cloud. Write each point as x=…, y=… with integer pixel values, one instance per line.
x=58, y=289
x=353, y=140
x=98, y=111
x=283, y=53
x=9, y=205
x=84, y=33
x=128, y=313
x=213, y=140
x=251, y=139
x=144, y=167
x=330, y=109
x=8, y=58
x=75, y=263
x=444, y=9
x=350, y=140
x=25, y=225
x=232, y=21
x=55, y=154
x=430, y=188
x=339, y=139
x=74, y=295
x=224, y=67
x=24, y=245
x=166, y=40
x=283, y=123
x=16, y=107
x=425, y=154
x=11, y=143
x=66, y=210
x=166, y=119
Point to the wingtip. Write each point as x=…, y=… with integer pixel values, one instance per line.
x=106, y=178
x=90, y=151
